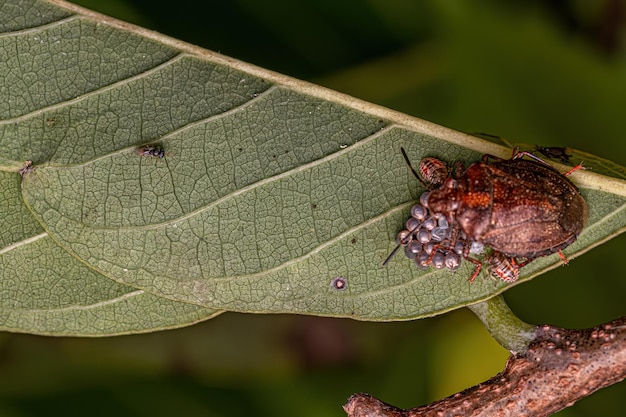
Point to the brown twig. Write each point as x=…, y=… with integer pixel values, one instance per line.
x=559, y=367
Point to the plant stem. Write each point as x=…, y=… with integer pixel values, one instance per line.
x=505, y=327
x=558, y=368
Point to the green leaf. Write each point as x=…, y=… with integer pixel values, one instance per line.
x=269, y=189
x=45, y=290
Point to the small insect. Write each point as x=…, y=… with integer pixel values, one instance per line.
x=432, y=172
x=155, y=151
x=28, y=167
x=504, y=267
x=554, y=152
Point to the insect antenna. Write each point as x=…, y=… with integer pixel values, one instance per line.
x=392, y=254
x=402, y=241
x=408, y=162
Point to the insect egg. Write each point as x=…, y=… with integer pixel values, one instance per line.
x=452, y=261
x=439, y=234
x=442, y=221
x=414, y=247
x=423, y=236
x=412, y=223
x=422, y=260
x=408, y=253
x=424, y=198
x=429, y=223
x=418, y=212
x=438, y=260
x=428, y=247
x=459, y=246
x=402, y=237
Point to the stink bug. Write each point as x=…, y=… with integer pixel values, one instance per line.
x=521, y=208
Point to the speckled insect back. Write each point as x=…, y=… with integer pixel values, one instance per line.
x=520, y=207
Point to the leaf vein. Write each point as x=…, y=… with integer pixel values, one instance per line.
x=41, y=28
x=260, y=183
x=92, y=93
x=22, y=243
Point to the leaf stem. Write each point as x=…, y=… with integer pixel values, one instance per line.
x=508, y=330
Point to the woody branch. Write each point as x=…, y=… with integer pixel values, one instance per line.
x=559, y=367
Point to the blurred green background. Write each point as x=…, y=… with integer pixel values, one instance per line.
x=542, y=72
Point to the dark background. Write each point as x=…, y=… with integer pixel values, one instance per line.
x=541, y=72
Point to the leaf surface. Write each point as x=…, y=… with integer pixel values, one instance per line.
x=268, y=191
x=45, y=290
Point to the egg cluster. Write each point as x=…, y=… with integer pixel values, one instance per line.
x=429, y=240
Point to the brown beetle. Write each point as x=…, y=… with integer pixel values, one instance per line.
x=521, y=208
